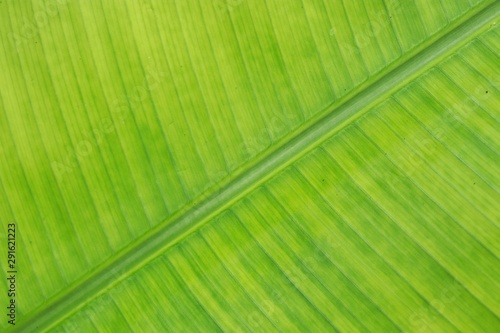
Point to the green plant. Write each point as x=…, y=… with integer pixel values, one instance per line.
x=251, y=165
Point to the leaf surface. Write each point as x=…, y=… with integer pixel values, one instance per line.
x=249, y=166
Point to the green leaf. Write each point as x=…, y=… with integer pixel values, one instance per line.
x=250, y=165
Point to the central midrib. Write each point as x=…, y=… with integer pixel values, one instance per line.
x=176, y=227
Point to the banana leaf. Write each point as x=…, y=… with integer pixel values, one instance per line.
x=249, y=166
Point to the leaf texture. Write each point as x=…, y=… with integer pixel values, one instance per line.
x=242, y=166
